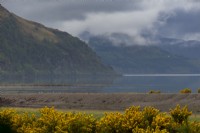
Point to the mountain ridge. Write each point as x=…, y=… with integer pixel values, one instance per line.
x=27, y=47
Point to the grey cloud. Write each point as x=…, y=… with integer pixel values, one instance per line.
x=137, y=18
x=185, y=21
x=60, y=10
x=181, y=24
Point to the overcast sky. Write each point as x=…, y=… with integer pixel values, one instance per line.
x=168, y=18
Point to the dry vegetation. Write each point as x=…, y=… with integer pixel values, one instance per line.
x=101, y=101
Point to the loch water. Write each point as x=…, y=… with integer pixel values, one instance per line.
x=132, y=83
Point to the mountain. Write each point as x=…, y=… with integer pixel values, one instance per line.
x=189, y=49
x=28, y=48
x=116, y=50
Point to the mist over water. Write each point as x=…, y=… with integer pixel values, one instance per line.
x=132, y=83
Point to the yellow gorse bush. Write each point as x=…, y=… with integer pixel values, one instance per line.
x=52, y=121
x=133, y=120
x=198, y=90
x=149, y=114
x=180, y=114
x=25, y=123
x=162, y=121
x=195, y=127
x=186, y=90
x=111, y=123
x=6, y=120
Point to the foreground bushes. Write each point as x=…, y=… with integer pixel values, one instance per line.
x=135, y=119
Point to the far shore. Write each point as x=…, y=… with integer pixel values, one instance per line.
x=101, y=101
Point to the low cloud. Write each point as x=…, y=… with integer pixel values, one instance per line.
x=124, y=22
x=60, y=10
x=192, y=36
x=137, y=18
x=182, y=24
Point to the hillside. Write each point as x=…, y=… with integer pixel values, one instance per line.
x=140, y=59
x=28, y=48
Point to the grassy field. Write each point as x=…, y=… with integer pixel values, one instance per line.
x=96, y=113
x=195, y=118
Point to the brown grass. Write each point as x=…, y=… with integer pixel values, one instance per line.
x=101, y=101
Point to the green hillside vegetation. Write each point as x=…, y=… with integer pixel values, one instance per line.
x=29, y=48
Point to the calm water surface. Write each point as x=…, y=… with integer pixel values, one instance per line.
x=140, y=83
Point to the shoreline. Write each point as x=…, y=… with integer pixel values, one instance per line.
x=101, y=101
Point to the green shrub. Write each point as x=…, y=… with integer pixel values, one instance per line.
x=149, y=114
x=50, y=120
x=133, y=118
x=54, y=121
x=6, y=121
x=79, y=123
x=185, y=91
x=179, y=114
x=198, y=90
x=194, y=127
x=162, y=121
x=154, y=92
x=111, y=123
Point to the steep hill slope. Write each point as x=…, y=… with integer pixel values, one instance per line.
x=29, y=48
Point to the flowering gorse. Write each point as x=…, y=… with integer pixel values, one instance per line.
x=186, y=90
x=180, y=114
x=133, y=120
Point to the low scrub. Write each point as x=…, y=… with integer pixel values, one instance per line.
x=198, y=90
x=134, y=119
x=185, y=91
x=154, y=92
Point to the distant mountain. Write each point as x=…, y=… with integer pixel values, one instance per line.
x=125, y=57
x=189, y=49
x=28, y=48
